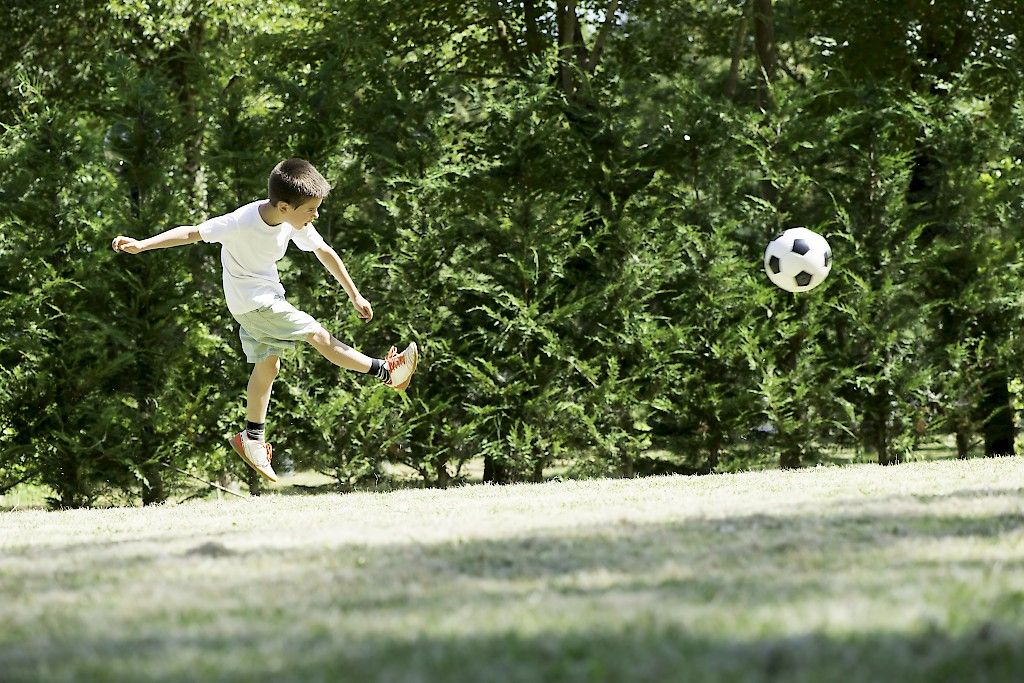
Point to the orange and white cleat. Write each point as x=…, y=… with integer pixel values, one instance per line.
x=401, y=366
x=256, y=454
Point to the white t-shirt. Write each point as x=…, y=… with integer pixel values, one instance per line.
x=250, y=251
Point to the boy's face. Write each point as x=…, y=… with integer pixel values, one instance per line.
x=303, y=214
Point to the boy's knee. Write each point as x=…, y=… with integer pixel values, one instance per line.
x=270, y=366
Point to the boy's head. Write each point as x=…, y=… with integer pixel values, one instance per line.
x=295, y=182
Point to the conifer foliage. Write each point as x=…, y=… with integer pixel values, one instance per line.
x=564, y=203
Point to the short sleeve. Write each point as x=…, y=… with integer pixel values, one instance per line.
x=216, y=229
x=308, y=239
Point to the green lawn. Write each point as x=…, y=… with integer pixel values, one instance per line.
x=857, y=573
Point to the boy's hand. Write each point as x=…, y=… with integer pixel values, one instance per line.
x=126, y=244
x=363, y=308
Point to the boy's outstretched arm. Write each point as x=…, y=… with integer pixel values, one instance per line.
x=333, y=263
x=175, y=237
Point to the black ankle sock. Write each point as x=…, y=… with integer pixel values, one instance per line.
x=255, y=430
x=380, y=369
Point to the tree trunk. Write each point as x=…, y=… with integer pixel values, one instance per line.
x=531, y=17
x=878, y=435
x=963, y=442
x=764, y=46
x=877, y=432
x=444, y=479
x=997, y=411
x=764, y=43
x=494, y=472
x=153, y=492
x=791, y=456
x=145, y=385
x=566, y=47
x=72, y=488
x=194, y=169
x=253, y=481
x=793, y=444
x=714, y=451
x=537, y=475
x=738, y=48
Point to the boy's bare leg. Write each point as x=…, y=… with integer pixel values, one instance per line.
x=261, y=381
x=249, y=443
x=338, y=353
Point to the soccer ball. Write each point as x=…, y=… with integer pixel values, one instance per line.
x=798, y=260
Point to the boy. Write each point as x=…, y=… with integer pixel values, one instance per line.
x=253, y=239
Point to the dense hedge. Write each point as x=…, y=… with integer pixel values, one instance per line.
x=564, y=204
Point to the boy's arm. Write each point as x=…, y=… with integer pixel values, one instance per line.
x=185, y=234
x=333, y=263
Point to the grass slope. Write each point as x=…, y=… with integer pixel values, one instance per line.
x=858, y=573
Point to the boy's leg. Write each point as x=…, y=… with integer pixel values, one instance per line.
x=338, y=353
x=261, y=381
x=249, y=444
x=395, y=370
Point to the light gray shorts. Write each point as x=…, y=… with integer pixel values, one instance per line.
x=273, y=329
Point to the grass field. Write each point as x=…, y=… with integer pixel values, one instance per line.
x=857, y=573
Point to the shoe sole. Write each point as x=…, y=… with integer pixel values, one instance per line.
x=241, y=454
x=415, y=362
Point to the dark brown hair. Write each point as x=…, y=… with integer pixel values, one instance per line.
x=296, y=181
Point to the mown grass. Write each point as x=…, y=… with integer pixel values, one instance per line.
x=857, y=573
x=397, y=476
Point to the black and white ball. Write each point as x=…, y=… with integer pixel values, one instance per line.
x=798, y=260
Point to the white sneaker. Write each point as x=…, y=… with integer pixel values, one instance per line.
x=256, y=454
x=402, y=365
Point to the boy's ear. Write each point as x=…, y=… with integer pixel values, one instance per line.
x=282, y=205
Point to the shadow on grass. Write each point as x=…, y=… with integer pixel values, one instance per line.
x=645, y=652
x=743, y=598
x=649, y=652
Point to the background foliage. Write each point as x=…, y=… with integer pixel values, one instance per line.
x=564, y=203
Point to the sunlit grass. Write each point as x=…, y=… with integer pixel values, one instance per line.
x=397, y=476
x=857, y=573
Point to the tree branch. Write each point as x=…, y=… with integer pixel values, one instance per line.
x=501, y=30
x=792, y=74
x=480, y=74
x=530, y=16
x=566, y=41
x=8, y=485
x=595, y=55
